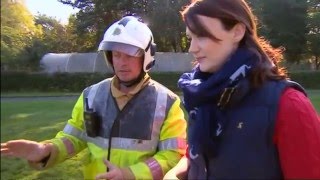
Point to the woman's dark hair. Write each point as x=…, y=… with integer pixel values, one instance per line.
x=230, y=13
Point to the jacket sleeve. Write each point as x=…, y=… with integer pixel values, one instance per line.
x=68, y=142
x=297, y=136
x=172, y=146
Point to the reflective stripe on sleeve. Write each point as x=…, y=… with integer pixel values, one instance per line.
x=69, y=146
x=173, y=143
x=155, y=168
x=69, y=129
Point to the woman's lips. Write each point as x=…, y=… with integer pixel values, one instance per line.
x=199, y=59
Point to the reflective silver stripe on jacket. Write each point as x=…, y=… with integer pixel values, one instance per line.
x=121, y=143
x=69, y=129
x=93, y=92
x=160, y=114
x=173, y=143
x=99, y=141
x=129, y=143
x=69, y=146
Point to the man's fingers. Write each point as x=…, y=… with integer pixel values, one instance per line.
x=4, y=146
x=9, y=144
x=101, y=176
x=4, y=150
x=113, y=172
x=108, y=175
x=109, y=165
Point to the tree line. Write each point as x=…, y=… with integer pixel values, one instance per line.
x=291, y=24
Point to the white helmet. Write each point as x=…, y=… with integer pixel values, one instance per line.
x=130, y=36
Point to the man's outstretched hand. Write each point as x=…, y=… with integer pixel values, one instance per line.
x=25, y=149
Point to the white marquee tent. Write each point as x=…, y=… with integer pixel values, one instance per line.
x=94, y=62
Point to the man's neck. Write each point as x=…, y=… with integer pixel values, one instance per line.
x=126, y=89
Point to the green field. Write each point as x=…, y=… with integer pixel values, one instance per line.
x=40, y=120
x=314, y=95
x=36, y=120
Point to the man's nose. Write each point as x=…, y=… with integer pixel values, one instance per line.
x=123, y=59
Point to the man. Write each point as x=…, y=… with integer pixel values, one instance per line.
x=132, y=126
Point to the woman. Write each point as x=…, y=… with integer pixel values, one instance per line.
x=246, y=119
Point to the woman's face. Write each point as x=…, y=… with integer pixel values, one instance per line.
x=210, y=54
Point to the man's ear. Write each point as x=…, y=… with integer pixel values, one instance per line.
x=239, y=31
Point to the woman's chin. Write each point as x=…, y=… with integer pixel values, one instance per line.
x=204, y=69
x=207, y=69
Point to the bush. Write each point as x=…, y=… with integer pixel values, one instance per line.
x=308, y=79
x=59, y=82
x=170, y=80
x=76, y=82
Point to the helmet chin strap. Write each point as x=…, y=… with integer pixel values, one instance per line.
x=133, y=81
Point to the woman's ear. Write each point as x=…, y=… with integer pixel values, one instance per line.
x=238, y=32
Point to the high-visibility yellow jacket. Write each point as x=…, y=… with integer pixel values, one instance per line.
x=147, y=135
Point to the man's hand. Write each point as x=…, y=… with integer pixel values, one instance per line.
x=25, y=149
x=114, y=172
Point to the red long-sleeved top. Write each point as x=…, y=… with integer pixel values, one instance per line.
x=297, y=136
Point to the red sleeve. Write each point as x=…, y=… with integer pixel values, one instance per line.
x=187, y=152
x=297, y=136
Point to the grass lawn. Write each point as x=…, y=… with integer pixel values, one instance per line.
x=314, y=95
x=41, y=120
x=36, y=120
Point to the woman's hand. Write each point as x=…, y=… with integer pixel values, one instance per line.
x=170, y=175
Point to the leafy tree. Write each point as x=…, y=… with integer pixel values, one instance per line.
x=162, y=16
x=80, y=40
x=257, y=9
x=167, y=24
x=95, y=15
x=285, y=24
x=54, y=38
x=17, y=31
x=313, y=35
x=54, y=33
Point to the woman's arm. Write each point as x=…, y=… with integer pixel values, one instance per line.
x=297, y=136
x=180, y=171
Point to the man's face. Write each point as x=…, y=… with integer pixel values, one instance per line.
x=126, y=67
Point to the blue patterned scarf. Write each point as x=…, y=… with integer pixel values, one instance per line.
x=201, y=94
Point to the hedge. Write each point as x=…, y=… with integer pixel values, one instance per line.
x=76, y=82
x=308, y=79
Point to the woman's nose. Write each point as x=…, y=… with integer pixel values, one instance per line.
x=193, y=48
